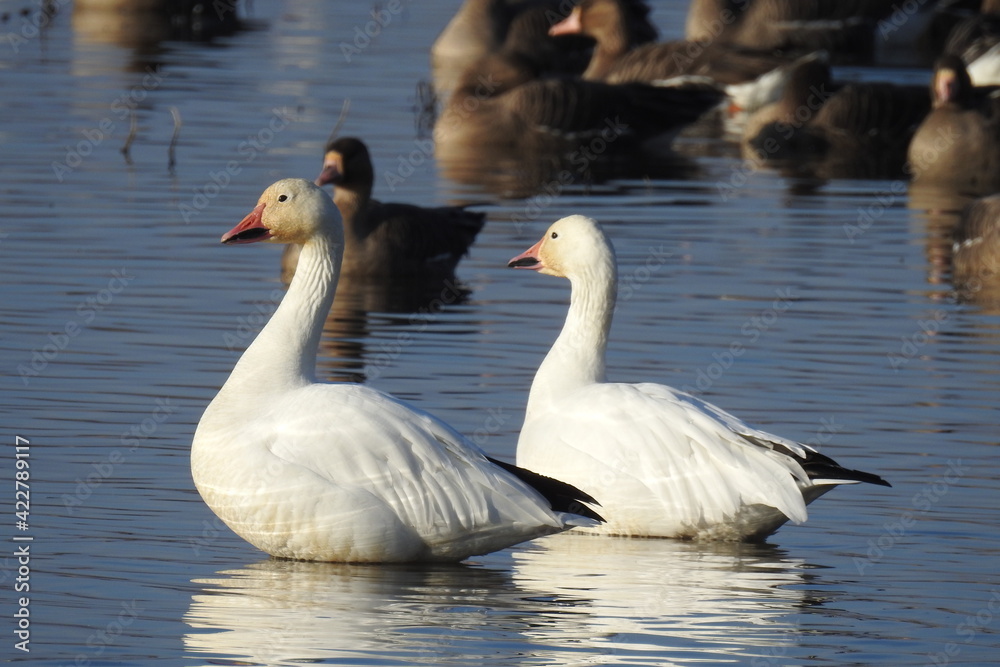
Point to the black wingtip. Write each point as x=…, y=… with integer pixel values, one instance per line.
x=834, y=471
x=562, y=497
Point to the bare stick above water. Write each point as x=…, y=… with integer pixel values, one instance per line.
x=132, y=129
x=171, y=157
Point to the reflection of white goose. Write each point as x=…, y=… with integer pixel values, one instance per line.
x=574, y=601
x=678, y=601
x=346, y=473
x=289, y=612
x=662, y=462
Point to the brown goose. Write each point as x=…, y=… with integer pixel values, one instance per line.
x=619, y=57
x=957, y=146
x=482, y=27
x=845, y=28
x=501, y=101
x=853, y=130
x=385, y=240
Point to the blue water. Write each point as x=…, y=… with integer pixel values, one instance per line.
x=122, y=315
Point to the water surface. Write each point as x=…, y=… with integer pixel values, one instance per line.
x=122, y=315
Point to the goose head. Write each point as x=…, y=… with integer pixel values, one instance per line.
x=292, y=210
x=346, y=162
x=571, y=247
x=600, y=19
x=951, y=82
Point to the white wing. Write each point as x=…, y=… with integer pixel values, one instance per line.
x=386, y=467
x=662, y=462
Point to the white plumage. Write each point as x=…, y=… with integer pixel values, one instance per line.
x=344, y=472
x=663, y=462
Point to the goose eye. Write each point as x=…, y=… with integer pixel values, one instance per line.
x=282, y=197
x=555, y=235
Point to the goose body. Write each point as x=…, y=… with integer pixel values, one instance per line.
x=343, y=472
x=845, y=28
x=663, y=462
x=619, y=57
x=502, y=101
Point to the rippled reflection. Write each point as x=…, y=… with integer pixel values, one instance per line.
x=639, y=596
x=975, y=281
x=567, y=600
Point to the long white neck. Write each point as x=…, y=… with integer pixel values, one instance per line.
x=577, y=357
x=283, y=356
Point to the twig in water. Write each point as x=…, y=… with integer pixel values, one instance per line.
x=132, y=129
x=340, y=121
x=171, y=160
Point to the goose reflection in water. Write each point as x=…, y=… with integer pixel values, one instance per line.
x=568, y=599
x=143, y=25
x=963, y=243
x=348, y=353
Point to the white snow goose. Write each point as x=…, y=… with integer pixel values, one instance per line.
x=342, y=472
x=663, y=463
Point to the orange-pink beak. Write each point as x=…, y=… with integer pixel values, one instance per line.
x=330, y=174
x=528, y=259
x=569, y=25
x=250, y=230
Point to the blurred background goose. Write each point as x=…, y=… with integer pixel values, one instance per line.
x=482, y=27
x=620, y=56
x=836, y=130
x=957, y=146
x=389, y=239
x=501, y=100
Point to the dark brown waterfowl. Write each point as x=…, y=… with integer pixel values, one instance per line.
x=619, y=56
x=958, y=144
x=502, y=100
x=483, y=27
x=391, y=239
x=852, y=130
x=844, y=28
